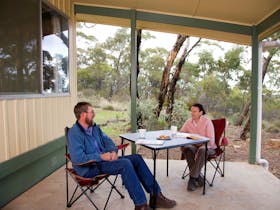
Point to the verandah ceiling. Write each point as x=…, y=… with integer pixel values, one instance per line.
x=215, y=19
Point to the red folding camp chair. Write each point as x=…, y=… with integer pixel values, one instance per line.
x=219, y=157
x=87, y=184
x=221, y=141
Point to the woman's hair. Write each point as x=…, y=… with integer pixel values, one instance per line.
x=80, y=108
x=200, y=107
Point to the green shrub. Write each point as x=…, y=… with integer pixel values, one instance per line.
x=180, y=113
x=273, y=129
x=271, y=126
x=88, y=93
x=149, y=121
x=109, y=107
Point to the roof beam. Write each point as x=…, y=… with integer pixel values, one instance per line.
x=194, y=22
x=110, y=12
x=165, y=19
x=270, y=22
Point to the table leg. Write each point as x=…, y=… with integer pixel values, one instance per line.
x=167, y=160
x=122, y=149
x=205, y=163
x=154, y=187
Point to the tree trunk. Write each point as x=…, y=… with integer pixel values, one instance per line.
x=139, y=38
x=175, y=78
x=245, y=114
x=246, y=129
x=165, y=76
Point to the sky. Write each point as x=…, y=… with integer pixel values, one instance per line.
x=166, y=40
x=102, y=32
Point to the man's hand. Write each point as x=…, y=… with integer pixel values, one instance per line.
x=106, y=156
x=109, y=156
x=114, y=156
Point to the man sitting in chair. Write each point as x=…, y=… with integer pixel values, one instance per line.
x=195, y=154
x=88, y=142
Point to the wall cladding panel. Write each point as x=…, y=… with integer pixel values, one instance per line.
x=22, y=127
x=62, y=5
x=10, y=109
x=29, y=123
x=3, y=131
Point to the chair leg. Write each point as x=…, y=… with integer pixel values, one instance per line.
x=92, y=189
x=224, y=159
x=67, y=189
x=70, y=202
x=185, y=174
x=114, y=187
x=83, y=192
x=217, y=168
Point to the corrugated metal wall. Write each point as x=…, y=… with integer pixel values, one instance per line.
x=29, y=123
x=63, y=5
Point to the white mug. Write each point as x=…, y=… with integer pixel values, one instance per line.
x=142, y=133
x=173, y=130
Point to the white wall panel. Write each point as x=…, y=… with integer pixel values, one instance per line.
x=28, y=123
x=3, y=131
x=21, y=126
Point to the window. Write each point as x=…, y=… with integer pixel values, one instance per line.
x=33, y=50
x=55, y=44
x=19, y=52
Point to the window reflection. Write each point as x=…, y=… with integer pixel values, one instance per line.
x=19, y=54
x=55, y=52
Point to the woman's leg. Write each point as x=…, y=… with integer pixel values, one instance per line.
x=190, y=152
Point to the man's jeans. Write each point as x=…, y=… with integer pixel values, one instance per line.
x=134, y=172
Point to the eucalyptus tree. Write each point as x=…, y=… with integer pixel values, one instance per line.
x=176, y=76
x=215, y=78
x=117, y=48
x=104, y=67
x=151, y=64
x=271, y=68
x=166, y=72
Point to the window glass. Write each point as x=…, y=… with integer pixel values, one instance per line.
x=19, y=47
x=55, y=44
x=33, y=54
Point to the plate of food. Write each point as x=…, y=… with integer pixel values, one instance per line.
x=163, y=137
x=193, y=137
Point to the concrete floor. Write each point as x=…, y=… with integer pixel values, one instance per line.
x=244, y=186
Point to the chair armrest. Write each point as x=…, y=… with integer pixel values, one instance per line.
x=122, y=146
x=225, y=141
x=90, y=162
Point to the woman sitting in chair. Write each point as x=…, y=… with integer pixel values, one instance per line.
x=195, y=154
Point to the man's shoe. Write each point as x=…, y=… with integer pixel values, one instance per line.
x=142, y=207
x=199, y=181
x=162, y=202
x=191, y=184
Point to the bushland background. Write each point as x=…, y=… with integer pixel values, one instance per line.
x=213, y=73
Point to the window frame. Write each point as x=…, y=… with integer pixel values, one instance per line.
x=43, y=94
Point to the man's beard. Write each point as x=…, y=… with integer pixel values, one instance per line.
x=89, y=122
